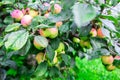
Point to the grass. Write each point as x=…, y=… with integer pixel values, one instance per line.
x=94, y=70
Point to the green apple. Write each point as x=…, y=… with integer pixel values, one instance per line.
x=60, y=48
x=76, y=40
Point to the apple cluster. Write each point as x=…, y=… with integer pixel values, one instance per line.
x=40, y=42
x=108, y=60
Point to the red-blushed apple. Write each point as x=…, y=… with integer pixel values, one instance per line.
x=47, y=5
x=107, y=59
x=33, y=13
x=17, y=14
x=46, y=15
x=53, y=32
x=99, y=33
x=57, y=8
x=43, y=32
x=26, y=20
x=110, y=67
x=93, y=32
x=39, y=57
x=58, y=24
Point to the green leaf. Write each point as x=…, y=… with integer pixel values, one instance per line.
x=50, y=53
x=66, y=58
x=12, y=27
x=8, y=20
x=117, y=49
x=43, y=26
x=16, y=40
x=108, y=24
x=11, y=72
x=64, y=28
x=83, y=13
x=55, y=43
x=24, y=50
x=106, y=32
x=41, y=69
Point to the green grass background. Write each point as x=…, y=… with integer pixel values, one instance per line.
x=94, y=70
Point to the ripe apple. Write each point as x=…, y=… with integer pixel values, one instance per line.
x=58, y=24
x=107, y=59
x=39, y=57
x=60, y=48
x=17, y=14
x=40, y=42
x=43, y=32
x=46, y=15
x=110, y=67
x=53, y=32
x=93, y=32
x=33, y=13
x=76, y=40
x=26, y=20
x=99, y=33
x=57, y=8
x=47, y=5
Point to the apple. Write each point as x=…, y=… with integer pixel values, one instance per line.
x=39, y=57
x=57, y=8
x=40, y=42
x=33, y=13
x=17, y=14
x=46, y=15
x=99, y=33
x=26, y=20
x=47, y=5
x=85, y=44
x=55, y=59
x=60, y=48
x=53, y=32
x=43, y=32
x=110, y=67
x=107, y=59
x=76, y=40
x=58, y=24
x=93, y=32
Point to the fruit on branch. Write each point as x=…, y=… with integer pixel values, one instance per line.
x=53, y=32
x=76, y=40
x=85, y=44
x=39, y=57
x=55, y=59
x=43, y=32
x=58, y=24
x=26, y=20
x=57, y=8
x=99, y=33
x=93, y=32
x=33, y=13
x=40, y=42
x=107, y=59
x=60, y=48
x=46, y=15
x=110, y=67
x=47, y=5
x=17, y=14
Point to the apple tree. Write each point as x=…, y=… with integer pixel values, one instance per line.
x=41, y=39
